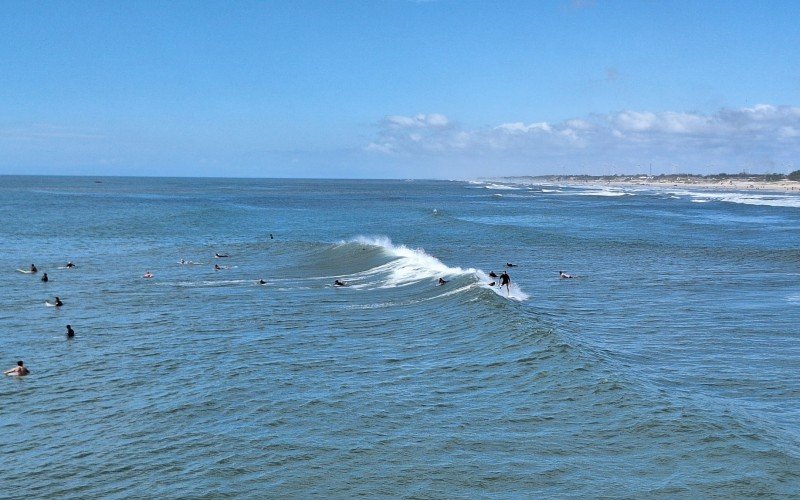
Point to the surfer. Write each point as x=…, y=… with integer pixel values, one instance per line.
x=492, y=275
x=270, y=236
x=493, y=283
x=339, y=283
x=562, y=274
x=58, y=302
x=148, y=274
x=45, y=278
x=33, y=269
x=69, y=265
x=509, y=264
x=262, y=282
x=70, y=332
x=19, y=370
x=216, y=267
x=505, y=279
x=220, y=255
x=442, y=281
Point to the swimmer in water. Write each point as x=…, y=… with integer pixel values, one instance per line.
x=262, y=282
x=339, y=283
x=19, y=370
x=492, y=283
x=508, y=264
x=216, y=267
x=69, y=265
x=442, y=281
x=492, y=275
x=45, y=278
x=70, y=332
x=148, y=274
x=220, y=255
x=33, y=269
x=58, y=302
x=562, y=274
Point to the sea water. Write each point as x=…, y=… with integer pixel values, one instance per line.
x=668, y=366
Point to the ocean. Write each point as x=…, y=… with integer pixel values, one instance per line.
x=666, y=367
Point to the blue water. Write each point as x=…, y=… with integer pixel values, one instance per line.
x=667, y=367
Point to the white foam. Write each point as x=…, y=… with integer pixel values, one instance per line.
x=771, y=200
x=501, y=186
x=603, y=192
x=413, y=265
x=410, y=265
x=514, y=292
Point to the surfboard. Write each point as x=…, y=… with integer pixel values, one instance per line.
x=26, y=271
x=49, y=304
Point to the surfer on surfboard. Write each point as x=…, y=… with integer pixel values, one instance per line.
x=505, y=279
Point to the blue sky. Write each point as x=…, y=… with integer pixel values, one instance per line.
x=398, y=88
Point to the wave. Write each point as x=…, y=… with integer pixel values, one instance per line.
x=377, y=263
x=771, y=200
x=495, y=185
x=602, y=192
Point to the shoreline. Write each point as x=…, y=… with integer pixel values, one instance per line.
x=730, y=184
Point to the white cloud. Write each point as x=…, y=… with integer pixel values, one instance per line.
x=766, y=134
x=433, y=120
x=519, y=127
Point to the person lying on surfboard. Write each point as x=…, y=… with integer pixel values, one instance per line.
x=33, y=269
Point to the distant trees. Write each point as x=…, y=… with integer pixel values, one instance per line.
x=794, y=176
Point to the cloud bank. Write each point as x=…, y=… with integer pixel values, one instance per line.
x=764, y=138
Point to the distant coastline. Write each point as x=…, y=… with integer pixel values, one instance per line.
x=721, y=182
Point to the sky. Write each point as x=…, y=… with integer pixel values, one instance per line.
x=445, y=89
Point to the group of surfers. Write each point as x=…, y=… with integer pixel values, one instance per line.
x=21, y=370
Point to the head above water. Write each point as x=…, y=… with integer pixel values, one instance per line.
x=19, y=363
